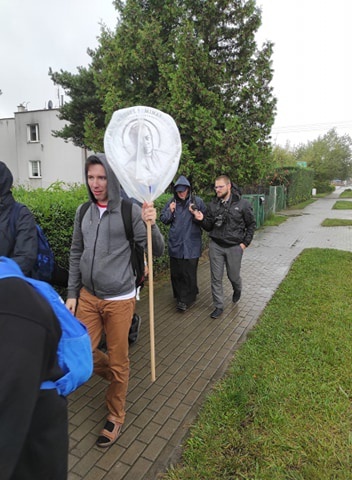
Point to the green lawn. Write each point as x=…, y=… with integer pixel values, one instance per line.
x=342, y=205
x=274, y=220
x=283, y=411
x=346, y=193
x=336, y=222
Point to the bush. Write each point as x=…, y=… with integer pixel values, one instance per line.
x=297, y=180
x=54, y=210
x=323, y=187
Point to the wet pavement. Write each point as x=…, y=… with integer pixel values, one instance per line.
x=192, y=353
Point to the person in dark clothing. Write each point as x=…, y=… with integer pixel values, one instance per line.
x=185, y=241
x=33, y=422
x=23, y=248
x=231, y=224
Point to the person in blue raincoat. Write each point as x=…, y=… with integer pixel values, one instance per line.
x=185, y=242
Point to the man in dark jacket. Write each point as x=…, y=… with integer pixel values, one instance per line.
x=33, y=422
x=185, y=242
x=23, y=247
x=231, y=224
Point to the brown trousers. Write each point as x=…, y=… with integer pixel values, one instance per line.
x=113, y=317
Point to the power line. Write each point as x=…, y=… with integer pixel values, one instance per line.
x=311, y=127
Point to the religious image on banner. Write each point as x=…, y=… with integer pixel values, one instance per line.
x=143, y=147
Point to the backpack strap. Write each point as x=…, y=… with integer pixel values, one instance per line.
x=126, y=211
x=83, y=211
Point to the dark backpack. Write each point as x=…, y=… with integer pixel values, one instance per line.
x=137, y=252
x=45, y=263
x=74, y=350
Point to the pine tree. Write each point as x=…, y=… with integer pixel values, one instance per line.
x=198, y=61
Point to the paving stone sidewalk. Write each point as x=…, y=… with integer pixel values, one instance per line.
x=192, y=352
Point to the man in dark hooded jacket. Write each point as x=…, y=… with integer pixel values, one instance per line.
x=231, y=224
x=23, y=247
x=185, y=242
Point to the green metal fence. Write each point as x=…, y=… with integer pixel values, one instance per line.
x=257, y=202
x=266, y=205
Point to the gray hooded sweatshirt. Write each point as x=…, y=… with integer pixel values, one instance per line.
x=100, y=252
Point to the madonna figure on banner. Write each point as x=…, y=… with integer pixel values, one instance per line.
x=143, y=147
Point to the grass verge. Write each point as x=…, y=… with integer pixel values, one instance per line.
x=342, y=205
x=283, y=411
x=299, y=206
x=346, y=193
x=274, y=220
x=336, y=222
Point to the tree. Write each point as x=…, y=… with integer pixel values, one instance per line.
x=283, y=157
x=84, y=105
x=220, y=93
x=198, y=61
x=330, y=156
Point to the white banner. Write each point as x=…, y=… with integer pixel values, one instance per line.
x=143, y=147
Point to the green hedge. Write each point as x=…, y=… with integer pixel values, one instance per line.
x=297, y=180
x=54, y=210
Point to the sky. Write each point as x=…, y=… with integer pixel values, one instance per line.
x=311, y=60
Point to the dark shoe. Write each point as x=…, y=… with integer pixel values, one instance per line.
x=109, y=434
x=181, y=306
x=236, y=296
x=216, y=313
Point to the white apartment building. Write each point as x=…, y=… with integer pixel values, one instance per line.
x=35, y=157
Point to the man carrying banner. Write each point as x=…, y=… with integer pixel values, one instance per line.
x=101, y=286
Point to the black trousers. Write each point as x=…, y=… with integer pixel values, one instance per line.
x=184, y=279
x=45, y=452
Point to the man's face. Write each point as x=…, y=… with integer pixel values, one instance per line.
x=183, y=195
x=98, y=183
x=222, y=189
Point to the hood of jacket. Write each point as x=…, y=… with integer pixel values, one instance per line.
x=6, y=182
x=236, y=192
x=182, y=180
x=6, y=179
x=114, y=192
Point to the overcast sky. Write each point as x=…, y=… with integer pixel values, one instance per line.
x=311, y=60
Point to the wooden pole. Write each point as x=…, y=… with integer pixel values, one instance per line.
x=151, y=300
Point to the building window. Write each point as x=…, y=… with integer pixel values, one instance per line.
x=33, y=133
x=35, y=170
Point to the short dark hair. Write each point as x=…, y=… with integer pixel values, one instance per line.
x=92, y=160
